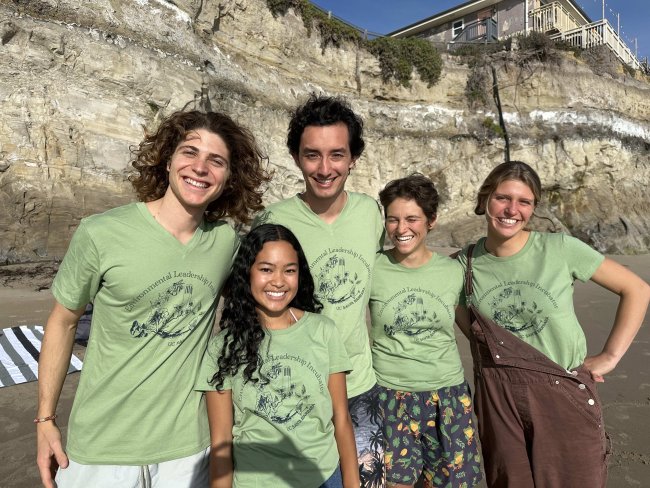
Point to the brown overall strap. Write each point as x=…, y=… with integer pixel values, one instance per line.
x=468, y=276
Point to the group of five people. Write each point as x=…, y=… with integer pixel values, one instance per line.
x=293, y=391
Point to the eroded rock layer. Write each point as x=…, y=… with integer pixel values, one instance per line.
x=80, y=79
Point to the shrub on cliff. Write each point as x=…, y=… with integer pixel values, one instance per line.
x=332, y=31
x=397, y=57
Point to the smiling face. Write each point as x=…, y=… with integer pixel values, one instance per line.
x=198, y=170
x=509, y=208
x=407, y=227
x=325, y=160
x=274, y=282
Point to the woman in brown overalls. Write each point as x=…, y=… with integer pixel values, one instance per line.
x=539, y=415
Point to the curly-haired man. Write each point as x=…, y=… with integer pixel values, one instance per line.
x=153, y=270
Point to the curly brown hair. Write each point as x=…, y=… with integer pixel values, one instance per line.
x=242, y=194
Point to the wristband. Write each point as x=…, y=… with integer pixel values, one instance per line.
x=38, y=420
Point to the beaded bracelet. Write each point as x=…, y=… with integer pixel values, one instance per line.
x=44, y=419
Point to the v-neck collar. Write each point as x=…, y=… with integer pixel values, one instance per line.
x=306, y=209
x=167, y=236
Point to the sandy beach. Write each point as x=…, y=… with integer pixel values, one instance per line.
x=625, y=394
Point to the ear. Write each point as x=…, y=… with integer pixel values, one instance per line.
x=353, y=164
x=432, y=223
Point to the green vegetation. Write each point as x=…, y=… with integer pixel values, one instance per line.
x=476, y=87
x=397, y=57
x=473, y=53
x=493, y=127
x=538, y=44
x=332, y=31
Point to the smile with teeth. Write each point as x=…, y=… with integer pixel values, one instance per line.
x=503, y=220
x=403, y=238
x=324, y=181
x=194, y=183
x=276, y=294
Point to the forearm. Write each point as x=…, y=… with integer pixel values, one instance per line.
x=634, y=296
x=630, y=313
x=56, y=350
x=220, y=416
x=221, y=465
x=462, y=321
x=344, y=435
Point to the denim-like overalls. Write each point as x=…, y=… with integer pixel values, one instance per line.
x=540, y=425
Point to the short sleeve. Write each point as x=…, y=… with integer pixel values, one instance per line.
x=208, y=366
x=79, y=276
x=381, y=230
x=339, y=361
x=582, y=259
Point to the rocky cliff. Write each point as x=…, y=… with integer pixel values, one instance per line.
x=80, y=79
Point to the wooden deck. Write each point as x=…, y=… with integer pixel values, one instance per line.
x=556, y=21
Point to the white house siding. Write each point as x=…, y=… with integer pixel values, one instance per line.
x=509, y=15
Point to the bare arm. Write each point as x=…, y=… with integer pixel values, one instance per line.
x=56, y=350
x=462, y=315
x=634, y=297
x=343, y=430
x=462, y=320
x=220, y=416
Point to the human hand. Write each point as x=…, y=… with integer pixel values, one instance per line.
x=50, y=455
x=599, y=365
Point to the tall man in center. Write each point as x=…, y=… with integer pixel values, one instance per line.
x=340, y=232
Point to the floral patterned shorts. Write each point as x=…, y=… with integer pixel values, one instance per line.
x=430, y=433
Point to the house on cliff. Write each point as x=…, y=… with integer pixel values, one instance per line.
x=490, y=20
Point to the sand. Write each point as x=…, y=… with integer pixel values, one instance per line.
x=625, y=394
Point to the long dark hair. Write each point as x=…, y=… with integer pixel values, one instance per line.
x=244, y=333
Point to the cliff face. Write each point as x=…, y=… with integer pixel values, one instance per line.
x=80, y=80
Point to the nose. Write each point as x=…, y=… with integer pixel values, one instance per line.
x=200, y=165
x=401, y=226
x=325, y=166
x=511, y=208
x=277, y=279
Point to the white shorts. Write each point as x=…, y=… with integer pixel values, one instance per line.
x=188, y=472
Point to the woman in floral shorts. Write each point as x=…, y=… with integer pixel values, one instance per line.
x=425, y=400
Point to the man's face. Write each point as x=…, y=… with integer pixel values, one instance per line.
x=325, y=160
x=198, y=170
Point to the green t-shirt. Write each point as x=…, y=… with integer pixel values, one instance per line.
x=154, y=306
x=531, y=293
x=341, y=256
x=413, y=343
x=283, y=434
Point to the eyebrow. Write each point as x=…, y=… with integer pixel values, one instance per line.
x=311, y=149
x=190, y=146
x=508, y=195
x=273, y=264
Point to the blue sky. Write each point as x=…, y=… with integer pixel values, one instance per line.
x=383, y=16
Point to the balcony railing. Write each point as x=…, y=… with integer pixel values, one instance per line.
x=552, y=17
x=485, y=30
x=555, y=20
x=597, y=34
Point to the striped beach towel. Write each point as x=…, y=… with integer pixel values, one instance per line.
x=19, y=351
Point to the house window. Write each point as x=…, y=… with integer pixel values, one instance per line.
x=456, y=28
